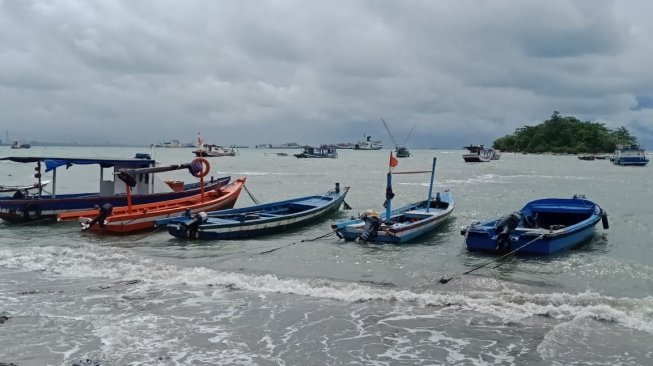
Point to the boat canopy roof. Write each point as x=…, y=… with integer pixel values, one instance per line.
x=52, y=163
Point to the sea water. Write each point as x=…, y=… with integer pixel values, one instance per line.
x=78, y=298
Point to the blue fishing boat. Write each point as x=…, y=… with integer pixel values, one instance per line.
x=256, y=220
x=543, y=226
x=632, y=154
x=24, y=205
x=402, y=224
x=324, y=151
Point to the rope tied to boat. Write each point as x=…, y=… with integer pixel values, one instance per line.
x=301, y=241
x=445, y=280
x=250, y=195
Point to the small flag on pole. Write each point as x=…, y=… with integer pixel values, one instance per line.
x=393, y=161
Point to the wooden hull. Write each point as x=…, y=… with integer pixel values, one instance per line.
x=125, y=220
x=259, y=220
x=47, y=207
x=406, y=223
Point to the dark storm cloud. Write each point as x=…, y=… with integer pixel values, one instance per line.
x=276, y=71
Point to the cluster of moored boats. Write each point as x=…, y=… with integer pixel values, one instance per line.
x=129, y=201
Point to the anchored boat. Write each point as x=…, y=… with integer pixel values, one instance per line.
x=543, y=226
x=323, y=151
x=632, y=154
x=479, y=154
x=368, y=144
x=34, y=203
x=401, y=151
x=133, y=218
x=403, y=224
x=256, y=220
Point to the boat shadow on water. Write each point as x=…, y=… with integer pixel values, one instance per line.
x=511, y=268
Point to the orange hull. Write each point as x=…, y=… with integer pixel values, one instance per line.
x=125, y=220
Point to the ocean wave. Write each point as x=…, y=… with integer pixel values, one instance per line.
x=86, y=261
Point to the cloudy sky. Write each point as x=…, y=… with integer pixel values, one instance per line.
x=250, y=72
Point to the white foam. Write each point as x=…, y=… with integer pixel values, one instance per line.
x=510, y=305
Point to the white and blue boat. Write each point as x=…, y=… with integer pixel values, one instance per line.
x=632, y=154
x=23, y=205
x=543, y=226
x=324, y=151
x=248, y=222
x=403, y=224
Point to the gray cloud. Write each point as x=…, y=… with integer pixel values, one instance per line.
x=277, y=71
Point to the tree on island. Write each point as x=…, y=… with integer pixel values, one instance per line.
x=564, y=135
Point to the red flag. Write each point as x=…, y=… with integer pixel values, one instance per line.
x=393, y=161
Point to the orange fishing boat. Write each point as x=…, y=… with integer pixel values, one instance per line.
x=133, y=218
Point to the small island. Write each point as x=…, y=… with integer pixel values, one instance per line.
x=564, y=135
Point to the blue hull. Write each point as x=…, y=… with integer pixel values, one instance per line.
x=253, y=221
x=406, y=223
x=544, y=238
x=631, y=162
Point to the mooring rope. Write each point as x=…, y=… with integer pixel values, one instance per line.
x=156, y=230
x=445, y=280
x=301, y=241
x=250, y=195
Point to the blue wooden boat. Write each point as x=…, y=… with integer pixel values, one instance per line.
x=24, y=205
x=402, y=224
x=543, y=226
x=256, y=220
x=632, y=154
x=323, y=151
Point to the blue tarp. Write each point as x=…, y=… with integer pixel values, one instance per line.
x=52, y=163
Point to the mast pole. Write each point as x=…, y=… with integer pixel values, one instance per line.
x=428, y=202
x=388, y=199
x=388, y=190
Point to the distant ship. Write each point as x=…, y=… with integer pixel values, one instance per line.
x=16, y=145
x=288, y=145
x=174, y=144
x=368, y=144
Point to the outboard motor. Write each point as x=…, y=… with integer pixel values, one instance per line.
x=372, y=225
x=105, y=211
x=193, y=224
x=504, y=228
x=604, y=220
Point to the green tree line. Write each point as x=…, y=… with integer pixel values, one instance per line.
x=568, y=135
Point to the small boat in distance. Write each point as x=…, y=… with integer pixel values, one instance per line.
x=368, y=144
x=323, y=151
x=403, y=224
x=400, y=150
x=17, y=145
x=209, y=151
x=478, y=154
x=586, y=157
x=344, y=145
x=543, y=226
x=248, y=222
x=632, y=154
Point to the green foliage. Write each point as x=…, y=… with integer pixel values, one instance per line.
x=564, y=135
